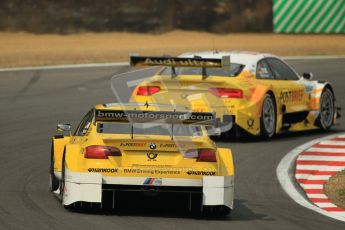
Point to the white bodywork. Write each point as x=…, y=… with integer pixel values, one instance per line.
x=87, y=187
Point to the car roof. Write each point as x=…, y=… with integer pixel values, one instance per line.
x=246, y=58
x=143, y=106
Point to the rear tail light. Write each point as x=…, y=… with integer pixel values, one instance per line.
x=202, y=155
x=226, y=92
x=147, y=90
x=101, y=152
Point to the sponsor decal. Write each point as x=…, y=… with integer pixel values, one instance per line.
x=132, y=144
x=152, y=171
x=172, y=145
x=153, y=166
x=250, y=123
x=103, y=170
x=291, y=96
x=153, y=181
x=203, y=173
x=149, y=116
x=152, y=156
x=175, y=61
x=153, y=146
x=178, y=145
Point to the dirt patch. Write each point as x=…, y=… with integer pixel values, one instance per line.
x=335, y=189
x=25, y=49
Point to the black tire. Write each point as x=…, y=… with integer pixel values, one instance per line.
x=268, y=120
x=53, y=181
x=62, y=182
x=327, y=110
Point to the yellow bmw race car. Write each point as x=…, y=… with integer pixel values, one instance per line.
x=252, y=92
x=144, y=148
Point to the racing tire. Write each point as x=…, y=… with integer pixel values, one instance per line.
x=327, y=110
x=268, y=120
x=62, y=182
x=53, y=181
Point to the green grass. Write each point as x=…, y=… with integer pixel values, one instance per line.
x=342, y=192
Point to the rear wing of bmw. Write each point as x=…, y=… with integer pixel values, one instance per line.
x=196, y=61
x=140, y=116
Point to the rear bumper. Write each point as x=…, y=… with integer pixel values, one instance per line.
x=234, y=124
x=89, y=187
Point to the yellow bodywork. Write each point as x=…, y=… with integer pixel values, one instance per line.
x=134, y=162
x=192, y=90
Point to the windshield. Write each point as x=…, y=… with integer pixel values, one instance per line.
x=235, y=69
x=149, y=129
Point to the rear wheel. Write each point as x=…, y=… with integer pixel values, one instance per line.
x=53, y=181
x=62, y=182
x=268, y=117
x=327, y=110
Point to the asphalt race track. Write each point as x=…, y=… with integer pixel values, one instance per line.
x=33, y=102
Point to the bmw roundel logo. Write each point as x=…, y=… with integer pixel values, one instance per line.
x=153, y=146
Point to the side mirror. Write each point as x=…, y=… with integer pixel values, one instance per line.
x=64, y=127
x=308, y=76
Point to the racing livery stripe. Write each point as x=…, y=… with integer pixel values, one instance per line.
x=147, y=180
x=153, y=181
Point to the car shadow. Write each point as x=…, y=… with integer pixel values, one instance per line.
x=243, y=212
x=171, y=208
x=279, y=137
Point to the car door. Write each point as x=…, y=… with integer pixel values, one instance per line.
x=292, y=96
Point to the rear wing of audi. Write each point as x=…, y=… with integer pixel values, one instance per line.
x=196, y=61
x=140, y=116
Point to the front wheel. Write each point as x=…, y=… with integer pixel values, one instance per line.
x=327, y=110
x=268, y=117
